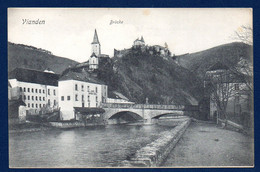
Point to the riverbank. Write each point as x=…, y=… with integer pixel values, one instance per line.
x=153, y=154
x=204, y=144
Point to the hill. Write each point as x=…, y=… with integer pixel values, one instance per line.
x=139, y=74
x=24, y=56
x=228, y=54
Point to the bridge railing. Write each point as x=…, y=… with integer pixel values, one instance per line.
x=142, y=106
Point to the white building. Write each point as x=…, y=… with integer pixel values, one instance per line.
x=79, y=90
x=36, y=88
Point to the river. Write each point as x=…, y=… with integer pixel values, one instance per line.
x=80, y=147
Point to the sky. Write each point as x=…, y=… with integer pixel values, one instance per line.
x=68, y=32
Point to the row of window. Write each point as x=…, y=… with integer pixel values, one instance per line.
x=41, y=105
x=36, y=105
x=32, y=98
x=76, y=98
x=83, y=105
x=36, y=90
x=82, y=88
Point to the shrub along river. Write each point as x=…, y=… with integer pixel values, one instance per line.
x=80, y=147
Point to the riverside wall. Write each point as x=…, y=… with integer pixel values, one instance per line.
x=153, y=154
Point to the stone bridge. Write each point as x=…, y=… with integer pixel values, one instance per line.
x=141, y=111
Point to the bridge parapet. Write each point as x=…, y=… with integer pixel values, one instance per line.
x=143, y=106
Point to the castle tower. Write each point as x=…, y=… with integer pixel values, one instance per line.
x=96, y=47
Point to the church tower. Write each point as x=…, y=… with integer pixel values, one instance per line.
x=96, y=47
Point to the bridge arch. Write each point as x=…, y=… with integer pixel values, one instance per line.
x=169, y=114
x=127, y=116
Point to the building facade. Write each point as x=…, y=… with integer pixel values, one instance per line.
x=36, y=89
x=78, y=91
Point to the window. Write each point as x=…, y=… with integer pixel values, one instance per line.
x=36, y=98
x=21, y=89
x=24, y=89
x=54, y=102
x=76, y=97
x=28, y=104
x=76, y=87
x=24, y=97
x=32, y=98
x=32, y=105
x=32, y=90
x=48, y=91
x=40, y=91
x=36, y=90
x=62, y=98
x=28, y=97
x=82, y=87
x=36, y=105
x=49, y=101
x=40, y=105
x=43, y=91
x=43, y=105
x=96, y=89
x=96, y=104
x=96, y=99
x=43, y=98
x=82, y=97
x=68, y=97
x=88, y=98
x=88, y=88
x=28, y=89
x=40, y=98
x=54, y=92
x=236, y=86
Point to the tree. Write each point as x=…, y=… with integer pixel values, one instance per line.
x=221, y=90
x=244, y=34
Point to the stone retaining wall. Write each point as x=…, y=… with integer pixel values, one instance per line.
x=153, y=154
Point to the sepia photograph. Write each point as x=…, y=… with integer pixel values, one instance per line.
x=130, y=88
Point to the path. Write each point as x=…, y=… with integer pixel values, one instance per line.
x=207, y=145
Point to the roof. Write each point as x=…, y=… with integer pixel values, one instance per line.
x=103, y=55
x=142, y=39
x=80, y=76
x=117, y=95
x=218, y=66
x=95, y=39
x=16, y=102
x=93, y=55
x=85, y=110
x=34, y=76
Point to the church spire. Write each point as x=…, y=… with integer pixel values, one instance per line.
x=95, y=39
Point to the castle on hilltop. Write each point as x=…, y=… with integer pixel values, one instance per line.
x=139, y=44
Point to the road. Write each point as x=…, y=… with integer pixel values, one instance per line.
x=207, y=145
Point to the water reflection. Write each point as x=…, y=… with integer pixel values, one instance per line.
x=81, y=147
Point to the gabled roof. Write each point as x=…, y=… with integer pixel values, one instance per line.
x=34, y=76
x=80, y=76
x=93, y=55
x=218, y=66
x=95, y=39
